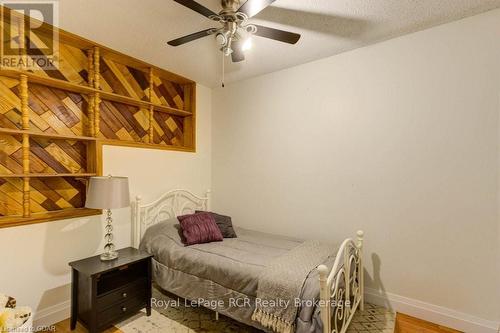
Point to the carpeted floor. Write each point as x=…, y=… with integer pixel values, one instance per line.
x=181, y=319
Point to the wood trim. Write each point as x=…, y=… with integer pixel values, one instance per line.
x=26, y=180
x=45, y=175
x=92, y=113
x=97, y=113
x=191, y=122
x=90, y=67
x=151, y=128
x=22, y=37
x=97, y=70
x=92, y=159
x=91, y=106
x=98, y=157
x=25, y=117
x=145, y=145
x=26, y=197
x=151, y=107
x=12, y=221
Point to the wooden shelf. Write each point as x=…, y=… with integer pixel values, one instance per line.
x=143, y=104
x=111, y=142
x=123, y=99
x=54, y=83
x=168, y=109
x=47, y=175
x=47, y=135
x=81, y=89
x=10, y=221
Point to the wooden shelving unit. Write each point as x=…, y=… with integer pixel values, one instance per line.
x=62, y=119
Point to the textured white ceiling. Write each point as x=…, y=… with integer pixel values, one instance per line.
x=141, y=28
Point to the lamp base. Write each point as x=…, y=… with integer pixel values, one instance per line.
x=109, y=248
x=107, y=256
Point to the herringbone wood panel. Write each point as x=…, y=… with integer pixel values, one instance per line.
x=57, y=193
x=9, y=161
x=72, y=65
x=11, y=196
x=167, y=129
x=123, y=122
x=123, y=80
x=10, y=104
x=167, y=93
x=57, y=111
x=57, y=156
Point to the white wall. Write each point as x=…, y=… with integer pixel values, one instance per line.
x=34, y=259
x=399, y=139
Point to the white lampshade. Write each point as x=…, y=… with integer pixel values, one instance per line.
x=108, y=193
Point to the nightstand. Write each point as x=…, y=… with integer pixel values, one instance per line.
x=106, y=292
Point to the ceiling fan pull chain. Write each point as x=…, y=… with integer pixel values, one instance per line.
x=223, y=69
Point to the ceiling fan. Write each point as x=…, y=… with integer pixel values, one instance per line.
x=235, y=33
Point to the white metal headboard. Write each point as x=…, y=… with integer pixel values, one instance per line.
x=171, y=204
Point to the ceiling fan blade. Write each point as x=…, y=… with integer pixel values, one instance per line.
x=334, y=25
x=237, y=55
x=191, y=37
x=253, y=7
x=276, y=34
x=193, y=5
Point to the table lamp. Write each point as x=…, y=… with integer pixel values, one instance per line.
x=108, y=193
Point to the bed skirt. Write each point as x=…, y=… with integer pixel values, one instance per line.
x=218, y=298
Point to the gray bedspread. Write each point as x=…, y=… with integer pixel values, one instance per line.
x=225, y=274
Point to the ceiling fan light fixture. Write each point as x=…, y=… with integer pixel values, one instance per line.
x=227, y=51
x=221, y=39
x=247, y=44
x=250, y=28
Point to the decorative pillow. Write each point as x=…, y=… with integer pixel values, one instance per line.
x=224, y=223
x=199, y=228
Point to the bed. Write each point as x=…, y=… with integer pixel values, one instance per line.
x=224, y=276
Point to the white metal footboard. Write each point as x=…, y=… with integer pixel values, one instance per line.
x=341, y=289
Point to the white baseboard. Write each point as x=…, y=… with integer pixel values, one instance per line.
x=52, y=314
x=430, y=312
x=433, y=313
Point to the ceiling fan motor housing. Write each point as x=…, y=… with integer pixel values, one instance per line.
x=231, y=5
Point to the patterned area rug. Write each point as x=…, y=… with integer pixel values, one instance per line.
x=180, y=319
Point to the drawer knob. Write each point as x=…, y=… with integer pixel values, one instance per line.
x=124, y=309
x=124, y=295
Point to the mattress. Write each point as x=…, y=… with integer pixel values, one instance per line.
x=222, y=272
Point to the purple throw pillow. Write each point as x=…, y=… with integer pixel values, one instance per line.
x=199, y=228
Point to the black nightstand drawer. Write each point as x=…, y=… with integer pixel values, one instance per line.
x=120, y=310
x=137, y=288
